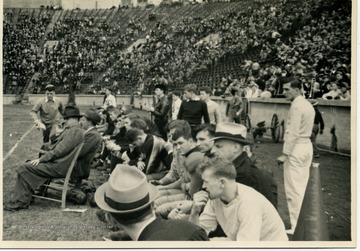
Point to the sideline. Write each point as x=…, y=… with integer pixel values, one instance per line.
x=14, y=147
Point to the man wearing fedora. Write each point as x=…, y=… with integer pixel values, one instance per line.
x=242, y=213
x=130, y=206
x=297, y=151
x=53, y=164
x=230, y=139
x=47, y=112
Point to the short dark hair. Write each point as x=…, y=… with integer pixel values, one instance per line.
x=179, y=124
x=206, y=89
x=220, y=167
x=139, y=124
x=133, y=217
x=161, y=87
x=176, y=93
x=132, y=116
x=133, y=134
x=181, y=133
x=294, y=83
x=190, y=88
x=210, y=128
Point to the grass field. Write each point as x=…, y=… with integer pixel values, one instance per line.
x=45, y=221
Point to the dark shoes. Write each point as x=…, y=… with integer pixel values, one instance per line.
x=14, y=207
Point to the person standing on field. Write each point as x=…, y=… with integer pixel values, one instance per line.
x=297, y=151
x=47, y=112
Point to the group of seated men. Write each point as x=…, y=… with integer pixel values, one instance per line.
x=200, y=179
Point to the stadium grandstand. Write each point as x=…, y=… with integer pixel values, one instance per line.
x=132, y=46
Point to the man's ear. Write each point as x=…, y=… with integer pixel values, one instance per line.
x=222, y=182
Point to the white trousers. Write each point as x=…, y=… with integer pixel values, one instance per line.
x=296, y=176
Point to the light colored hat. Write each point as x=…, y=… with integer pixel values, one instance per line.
x=126, y=191
x=231, y=131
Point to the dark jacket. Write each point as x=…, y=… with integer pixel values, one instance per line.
x=172, y=230
x=318, y=119
x=92, y=144
x=161, y=110
x=248, y=174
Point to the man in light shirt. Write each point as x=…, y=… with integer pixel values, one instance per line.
x=213, y=108
x=47, y=112
x=297, y=151
x=253, y=217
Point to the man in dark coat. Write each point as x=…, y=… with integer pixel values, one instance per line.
x=230, y=139
x=130, y=206
x=53, y=164
x=161, y=110
x=92, y=144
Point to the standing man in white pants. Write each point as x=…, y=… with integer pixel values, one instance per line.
x=297, y=151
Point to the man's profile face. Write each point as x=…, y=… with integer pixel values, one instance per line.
x=211, y=184
x=84, y=123
x=204, y=141
x=182, y=145
x=127, y=123
x=289, y=92
x=203, y=95
x=225, y=149
x=49, y=95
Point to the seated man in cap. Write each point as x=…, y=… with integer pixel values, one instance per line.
x=243, y=213
x=53, y=164
x=92, y=144
x=47, y=112
x=130, y=206
x=230, y=139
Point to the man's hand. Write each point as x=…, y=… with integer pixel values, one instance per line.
x=281, y=159
x=199, y=201
x=40, y=125
x=151, y=109
x=34, y=162
x=321, y=131
x=140, y=165
x=156, y=182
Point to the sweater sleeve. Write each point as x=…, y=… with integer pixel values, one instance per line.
x=71, y=139
x=205, y=113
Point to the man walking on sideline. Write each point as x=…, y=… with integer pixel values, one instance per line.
x=297, y=151
x=47, y=112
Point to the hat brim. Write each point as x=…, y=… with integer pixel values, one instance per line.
x=72, y=116
x=242, y=141
x=100, y=199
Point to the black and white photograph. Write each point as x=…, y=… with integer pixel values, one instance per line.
x=179, y=124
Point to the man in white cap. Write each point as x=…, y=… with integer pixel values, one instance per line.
x=297, y=151
x=243, y=213
x=128, y=198
x=47, y=112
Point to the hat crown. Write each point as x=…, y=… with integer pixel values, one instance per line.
x=71, y=111
x=232, y=131
x=93, y=115
x=127, y=189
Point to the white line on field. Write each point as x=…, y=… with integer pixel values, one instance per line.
x=14, y=147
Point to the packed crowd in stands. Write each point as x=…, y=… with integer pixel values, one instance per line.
x=313, y=44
